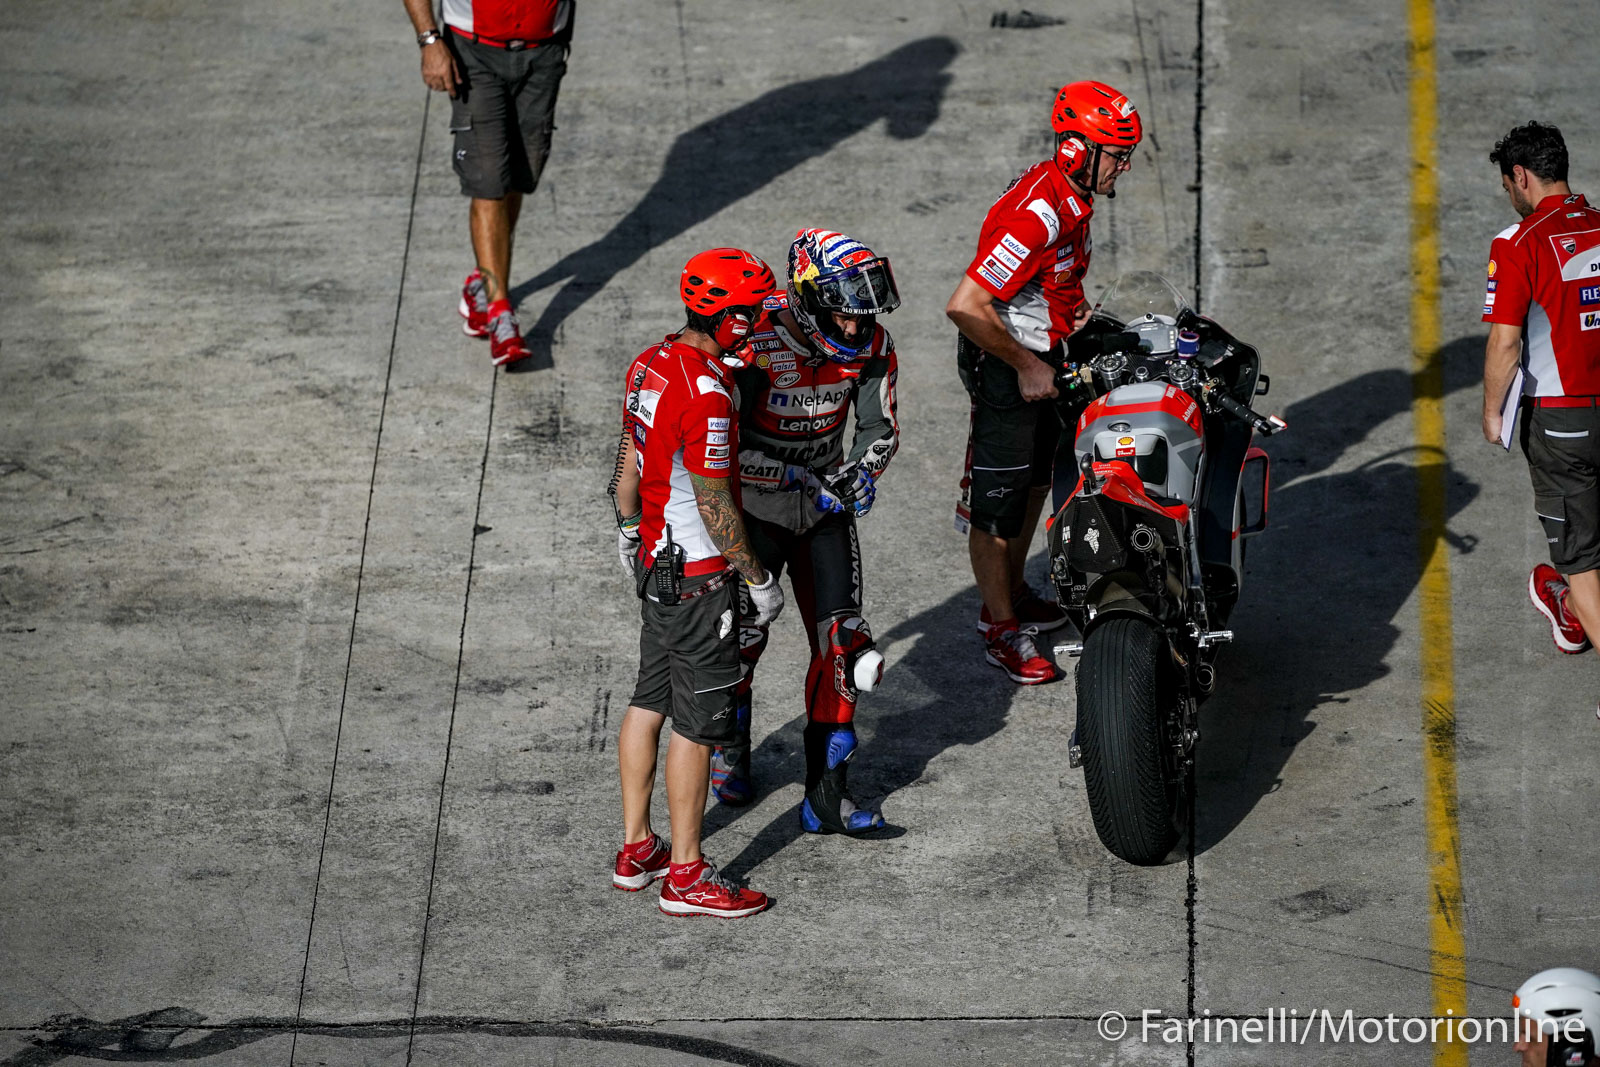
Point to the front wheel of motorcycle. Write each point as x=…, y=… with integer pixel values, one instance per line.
x=1136, y=791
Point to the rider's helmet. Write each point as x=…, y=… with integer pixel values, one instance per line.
x=1556, y=1001
x=830, y=272
x=1088, y=118
x=723, y=289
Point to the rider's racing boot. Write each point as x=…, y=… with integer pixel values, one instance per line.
x=827, y=808
x=730, y=765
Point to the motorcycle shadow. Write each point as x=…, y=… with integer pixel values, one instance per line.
x=1324, y=586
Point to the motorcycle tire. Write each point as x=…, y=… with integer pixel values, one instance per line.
x=1125, y=689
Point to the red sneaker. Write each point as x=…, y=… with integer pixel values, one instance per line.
x=1548, y=591
x=697, y=889
x=641, y=863
x=1013, y=651
x=505, y=335
x=1034, y=613
x=474, y=306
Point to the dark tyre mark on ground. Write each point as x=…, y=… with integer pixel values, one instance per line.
x=165, y=1036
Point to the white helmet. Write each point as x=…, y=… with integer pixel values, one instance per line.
x=1555, y=998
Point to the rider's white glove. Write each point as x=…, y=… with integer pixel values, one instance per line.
x=628, y=542
x=766, y=600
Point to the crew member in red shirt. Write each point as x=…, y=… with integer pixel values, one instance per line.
x=1019, y=299
x=681, y=536
x=1543, y=306
x=502, y=62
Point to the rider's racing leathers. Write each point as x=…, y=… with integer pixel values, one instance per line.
x=793, y=408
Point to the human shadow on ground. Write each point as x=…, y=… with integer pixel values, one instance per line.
x=936, y=696
x=1324, y=584
x=739, y=152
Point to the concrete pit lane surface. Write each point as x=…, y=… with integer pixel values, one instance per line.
x=313, y=644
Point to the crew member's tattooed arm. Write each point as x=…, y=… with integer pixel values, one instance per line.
x=714, y=496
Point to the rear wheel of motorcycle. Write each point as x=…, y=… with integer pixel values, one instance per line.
x=1125, y=690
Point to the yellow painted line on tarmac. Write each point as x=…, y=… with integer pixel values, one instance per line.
x=1447, y=941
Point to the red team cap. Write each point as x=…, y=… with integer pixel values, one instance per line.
x=723, y=280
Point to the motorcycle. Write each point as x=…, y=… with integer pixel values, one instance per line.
x=1147, y=548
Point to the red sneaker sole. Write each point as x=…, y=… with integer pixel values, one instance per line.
x=680, y=911
x=637, y=882
x=510, y=357
x=1555, y=627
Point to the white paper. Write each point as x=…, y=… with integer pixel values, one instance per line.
x=1508, y=410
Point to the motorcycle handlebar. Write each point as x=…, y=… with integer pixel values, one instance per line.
x=1266, y=425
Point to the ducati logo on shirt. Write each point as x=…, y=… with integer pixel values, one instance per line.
x=1569, y=246
x=646, y=394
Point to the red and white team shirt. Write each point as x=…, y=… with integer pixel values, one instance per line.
x=1033, y=252
x=680, y=411
x=510, y=20
x=1544, y=275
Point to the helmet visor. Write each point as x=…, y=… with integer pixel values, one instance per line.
x=864, y=289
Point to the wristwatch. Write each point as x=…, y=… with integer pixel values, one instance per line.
x=427, y=37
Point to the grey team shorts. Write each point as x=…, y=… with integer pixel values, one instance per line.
x=689, y=661
x=502, y=114
x=1563, y=450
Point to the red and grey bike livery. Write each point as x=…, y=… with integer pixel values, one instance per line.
x=1147, y=544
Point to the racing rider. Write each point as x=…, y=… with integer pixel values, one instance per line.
x=682, y=539
x=817, y=351
x=1558, y=1018
x=1015, y=305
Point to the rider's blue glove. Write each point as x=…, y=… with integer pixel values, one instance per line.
x=854, y=488
x=805, y=480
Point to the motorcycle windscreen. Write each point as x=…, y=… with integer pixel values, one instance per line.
x=1142, y=295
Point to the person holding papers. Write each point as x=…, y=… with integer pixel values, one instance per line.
x=1542, y=302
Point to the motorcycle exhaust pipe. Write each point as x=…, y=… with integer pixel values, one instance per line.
x=1205, y=678
x=1143, y=538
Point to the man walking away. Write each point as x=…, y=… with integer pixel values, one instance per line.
x=502, y=62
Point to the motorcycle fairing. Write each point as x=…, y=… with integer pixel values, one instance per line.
x=1257, y=456
x=1164, y=435
x=1121, y=483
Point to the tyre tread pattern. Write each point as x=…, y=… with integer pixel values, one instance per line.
x=1122, y=697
